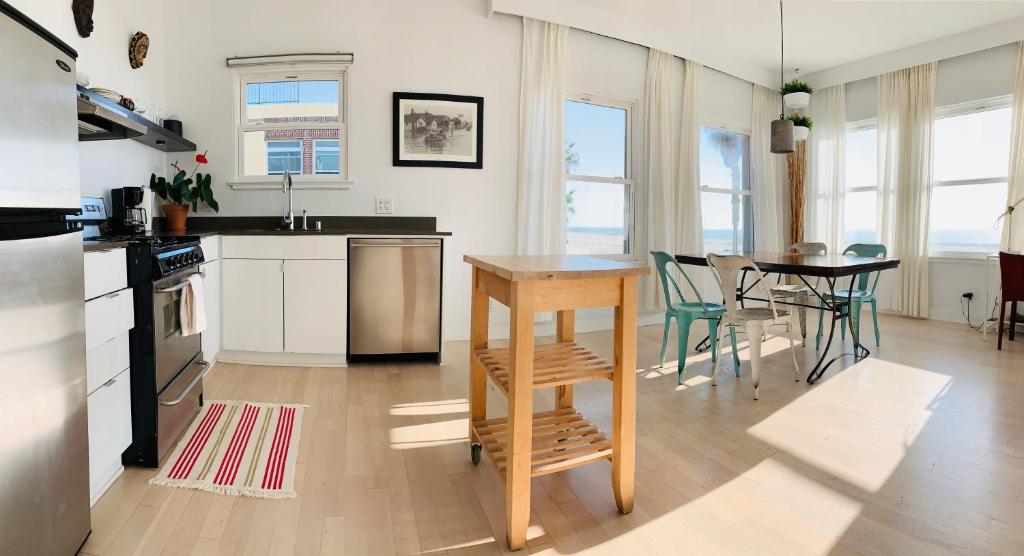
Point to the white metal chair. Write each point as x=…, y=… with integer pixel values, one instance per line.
x=753, y=320
x=799, y=292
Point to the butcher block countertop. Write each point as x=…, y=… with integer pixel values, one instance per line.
x=555, y=267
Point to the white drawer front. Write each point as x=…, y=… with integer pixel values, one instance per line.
x=105, y=272
x=107, y=360
x=107, y=317
x=309, y=247
x=211, y=247
x=110, y=430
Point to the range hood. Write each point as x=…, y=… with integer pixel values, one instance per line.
x=101, y=119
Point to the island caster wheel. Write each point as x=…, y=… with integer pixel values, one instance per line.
x=474, y=452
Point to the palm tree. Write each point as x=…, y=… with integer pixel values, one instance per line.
x=729, y=148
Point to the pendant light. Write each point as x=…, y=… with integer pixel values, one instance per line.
x=782, y=129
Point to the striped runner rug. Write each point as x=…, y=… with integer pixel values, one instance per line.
x=239, y=449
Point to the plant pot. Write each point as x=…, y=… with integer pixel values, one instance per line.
x=176, y=216
x=796, y=100
x=800, y=132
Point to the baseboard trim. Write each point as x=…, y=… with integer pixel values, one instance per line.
x=283, y=359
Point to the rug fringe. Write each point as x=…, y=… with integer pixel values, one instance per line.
x=229, y=490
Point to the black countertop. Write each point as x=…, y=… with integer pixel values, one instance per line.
x=331, y=225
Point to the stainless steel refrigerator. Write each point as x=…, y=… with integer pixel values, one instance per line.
x=44, y=460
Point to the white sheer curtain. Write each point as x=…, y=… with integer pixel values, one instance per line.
x=658, y=167
x=540, y=209
x=906, y=112
x=689, y=227
x=826, y=168
x=768, y=173
x=1016, y=186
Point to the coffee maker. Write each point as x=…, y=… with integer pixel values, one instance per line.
x=127, y=217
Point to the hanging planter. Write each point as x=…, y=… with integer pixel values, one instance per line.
x=796, y=94
x=801, y=126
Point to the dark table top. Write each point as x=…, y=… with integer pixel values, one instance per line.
x=827, y=266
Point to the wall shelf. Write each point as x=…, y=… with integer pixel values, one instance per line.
x=143, y=130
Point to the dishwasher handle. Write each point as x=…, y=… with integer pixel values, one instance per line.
x=434, y=243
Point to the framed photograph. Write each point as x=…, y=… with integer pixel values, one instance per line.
x=438, y=130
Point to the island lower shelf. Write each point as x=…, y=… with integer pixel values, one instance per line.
x=562, y=439
x=557, y=364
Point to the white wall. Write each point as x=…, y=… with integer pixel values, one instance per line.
x=104, y=57
x=979, y=75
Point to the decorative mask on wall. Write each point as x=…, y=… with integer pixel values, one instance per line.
x=82, y=11
x=137, y=49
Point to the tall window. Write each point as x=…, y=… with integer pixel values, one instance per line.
x=972, y=153
x=860, y=219
x=289, y=108
x=725, y=201
x=598, y=180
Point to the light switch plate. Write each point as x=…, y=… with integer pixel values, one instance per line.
x=384, y=205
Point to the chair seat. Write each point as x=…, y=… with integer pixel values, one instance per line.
x=697, y=309
x=857, y=294
x=758, y=313
x=787, y=292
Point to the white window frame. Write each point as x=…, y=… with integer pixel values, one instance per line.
x=962, y=109
x=267, y=72
x=316, y=147
x=863, y=125
x=628, y=181
x=299, y=141
x=748, y=217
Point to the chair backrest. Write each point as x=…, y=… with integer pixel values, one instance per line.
x=1011, y=270
x=871, y=250
x=661, y=261
x=809, y=248
x=726, y=269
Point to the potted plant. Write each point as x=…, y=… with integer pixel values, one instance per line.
x=796, y=94
x=801, y=126
x=180, y=193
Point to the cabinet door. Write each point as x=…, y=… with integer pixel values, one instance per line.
x=110, y=430
x=252, y=300
x=211, y=287
x=314, y=312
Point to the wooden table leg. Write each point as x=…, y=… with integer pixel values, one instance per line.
x=624, y=398
x=566, y=332
x=520, y=416
x=479, y=313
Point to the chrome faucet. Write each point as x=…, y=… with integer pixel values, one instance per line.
x=286, y=187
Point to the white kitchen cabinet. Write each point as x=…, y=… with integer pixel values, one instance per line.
x=253, y=305
x=108, y=316
x=314, y=306
x=211, y=337
x=110, y=431
x=105, y=271
x=309, y=247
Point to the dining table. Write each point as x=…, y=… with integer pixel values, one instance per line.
x=811, y=270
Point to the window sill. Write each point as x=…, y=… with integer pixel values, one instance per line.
x=962, y=257
x=264, y=185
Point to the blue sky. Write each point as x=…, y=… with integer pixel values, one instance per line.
x=309, y=91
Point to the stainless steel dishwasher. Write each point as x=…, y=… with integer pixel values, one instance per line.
x=394, y=299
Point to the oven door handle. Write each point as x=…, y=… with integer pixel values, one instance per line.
x=187, y=389
x=179, y=286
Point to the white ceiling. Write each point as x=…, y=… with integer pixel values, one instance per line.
x=742, y=36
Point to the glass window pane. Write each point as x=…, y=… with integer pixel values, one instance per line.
x=595, y=140
x=862, y=158
x=326, y=157
x=596, y=218
x=723, y=159
x=723, y=216
x=962, y=217
x=291, y=101
x=973, y=145
x=860, y=217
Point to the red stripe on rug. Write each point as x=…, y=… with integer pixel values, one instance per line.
x=201, y=445
x=272, y=457
x=235, y=449
x=212, y=415
x=279, y=475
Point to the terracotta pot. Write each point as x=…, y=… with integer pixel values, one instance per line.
x=176, y=218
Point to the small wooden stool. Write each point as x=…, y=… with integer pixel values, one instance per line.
x=528, y=444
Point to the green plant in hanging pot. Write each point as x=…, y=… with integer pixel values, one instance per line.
x=184, y=191
x=796, y=94
x=801, y=126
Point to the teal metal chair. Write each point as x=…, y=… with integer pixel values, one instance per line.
x=685, y=312
x=861, y=293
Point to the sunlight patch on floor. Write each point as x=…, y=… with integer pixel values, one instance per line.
x=437, y=407
x=859, y=424
x=426, y=435
x=692, y=382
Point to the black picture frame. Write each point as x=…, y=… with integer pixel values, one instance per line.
x=398, y=130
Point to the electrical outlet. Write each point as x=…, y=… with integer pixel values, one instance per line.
x=385, y=205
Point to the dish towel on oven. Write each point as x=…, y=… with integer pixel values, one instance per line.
x=193, y=306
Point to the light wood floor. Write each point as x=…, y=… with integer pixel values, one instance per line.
x=916, y=450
